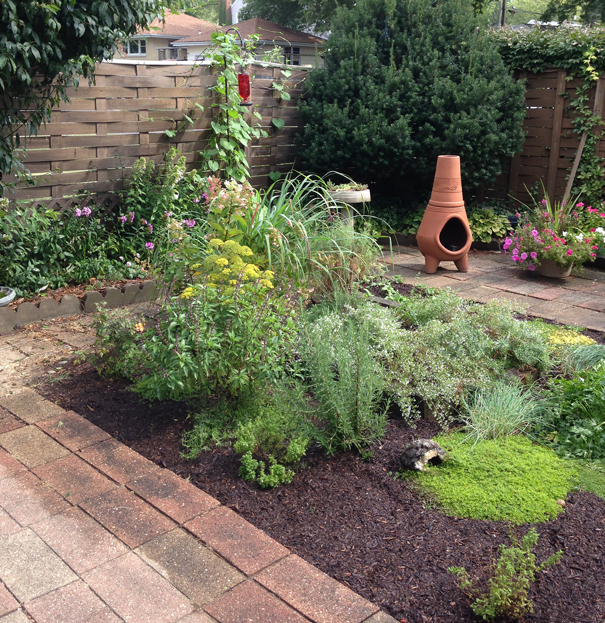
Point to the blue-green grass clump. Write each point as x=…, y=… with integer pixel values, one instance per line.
x=509, y=479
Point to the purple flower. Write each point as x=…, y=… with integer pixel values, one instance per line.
x=77, y=212
x=515, y=251
x=204, y=197
x=196, y=200
x=515, y=258
x=123, y=219
x=534, y=232
x=544, y=202
x=131, y=216
x=531, y=267
x=533, y=255
x=149, y=245
x=86, y=211
x=150, y=228
x=189, y=223
x=523, y=256
x=168, y=214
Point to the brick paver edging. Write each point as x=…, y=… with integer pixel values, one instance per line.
x=92, y=531
x=70, y=305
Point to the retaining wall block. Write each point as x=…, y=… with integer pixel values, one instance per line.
x=49, y=308
x=91, y=300
x=114, y=297
x=8, y=320
x=70, y=305
x=27, y=313
x=148, y=291
x=130, y=293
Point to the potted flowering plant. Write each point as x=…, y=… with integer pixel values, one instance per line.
x=550, y=239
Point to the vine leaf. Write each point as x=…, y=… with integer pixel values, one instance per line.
x=278, y=123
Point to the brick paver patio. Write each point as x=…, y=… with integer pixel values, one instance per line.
x=92, y=532
x=578, y=300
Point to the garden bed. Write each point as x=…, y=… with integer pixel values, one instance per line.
x=354, y=521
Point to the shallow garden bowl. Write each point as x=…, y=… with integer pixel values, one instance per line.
x=6, y=296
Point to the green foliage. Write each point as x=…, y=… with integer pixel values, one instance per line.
x=486, y=225
x=507, y=479
x=405, y=81
x=577, y=414
x=214, y=342
x=511, y=578
x=577, y=50
x=42, y=249
x=231, y=133
x=589, y=11
x=499, y=411
x=251, y=470
x=296, y=14
x=591, y=477
x=347, y=382
x=59, y=42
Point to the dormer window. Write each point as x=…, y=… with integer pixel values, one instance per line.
x=137, y=47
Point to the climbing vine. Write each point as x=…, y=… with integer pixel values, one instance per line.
x=581, y=52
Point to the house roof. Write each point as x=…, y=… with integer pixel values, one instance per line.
x=268, y=31
x=177, y=25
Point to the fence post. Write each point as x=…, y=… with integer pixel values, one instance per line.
x=555, y=144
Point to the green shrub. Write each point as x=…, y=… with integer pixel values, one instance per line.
x=507, y=479
x=405, y=81
x=508, y=586
x=576, y=417
x=346, y=381
x=207, y=342
x=486, y=225
x=499, y=411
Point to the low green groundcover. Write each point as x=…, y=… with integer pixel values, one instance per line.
x=507, y=479
x=592, y=478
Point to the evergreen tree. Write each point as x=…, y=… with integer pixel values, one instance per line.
x=405, y=81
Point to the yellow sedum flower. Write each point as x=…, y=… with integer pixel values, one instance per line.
x=559, y=338
x=187, y=293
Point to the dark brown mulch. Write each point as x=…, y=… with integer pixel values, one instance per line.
x=355, y=522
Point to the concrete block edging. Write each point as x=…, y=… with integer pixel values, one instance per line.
x=70, y=305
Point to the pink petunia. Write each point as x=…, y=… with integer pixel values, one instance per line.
x=533, y=255
x=149, y=245
x=569, y=251
x=531, y=267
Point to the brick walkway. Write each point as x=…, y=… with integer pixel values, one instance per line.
x=578, y=300
x=92, y=532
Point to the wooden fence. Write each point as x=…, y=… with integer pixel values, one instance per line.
x=551, y=144
x=92, y=141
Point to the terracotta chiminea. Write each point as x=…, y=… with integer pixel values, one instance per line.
x=444, y=234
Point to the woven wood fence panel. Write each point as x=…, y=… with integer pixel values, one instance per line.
x=92, y=141
x=551, y=143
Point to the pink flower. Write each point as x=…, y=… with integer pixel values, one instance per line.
x=523, y=256
x=569, y=251
x=544, y=202
x=594, y=246
x=123, y=219
x=196, y=200
x=533, y=255
x=579, y=205
x=602, y=214
x=86, y=211
x=149, y=245
x=77, y=212
x=518, y=215
x=131, y=216
x=593, y=230
x=515, y=258
x=593, y=255
x=534, y=232
x=189, y=223
x=531, y=267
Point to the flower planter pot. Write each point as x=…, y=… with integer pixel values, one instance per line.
x=6, y=296
x=351, y=196
x=549, y=268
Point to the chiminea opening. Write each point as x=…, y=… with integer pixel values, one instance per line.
x=453, y=235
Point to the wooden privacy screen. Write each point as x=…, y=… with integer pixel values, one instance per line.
x=551, y=142
x=92, y=141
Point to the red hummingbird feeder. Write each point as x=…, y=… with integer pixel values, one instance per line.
x=243, y=81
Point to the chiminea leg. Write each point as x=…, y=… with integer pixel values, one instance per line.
x=431, y=264
x=462, y=264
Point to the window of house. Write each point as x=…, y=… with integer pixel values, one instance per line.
x=291, y=56
x=137, y=47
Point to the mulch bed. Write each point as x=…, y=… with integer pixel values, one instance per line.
x=354, y=521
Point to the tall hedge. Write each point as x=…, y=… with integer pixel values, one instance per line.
x=405, y=81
